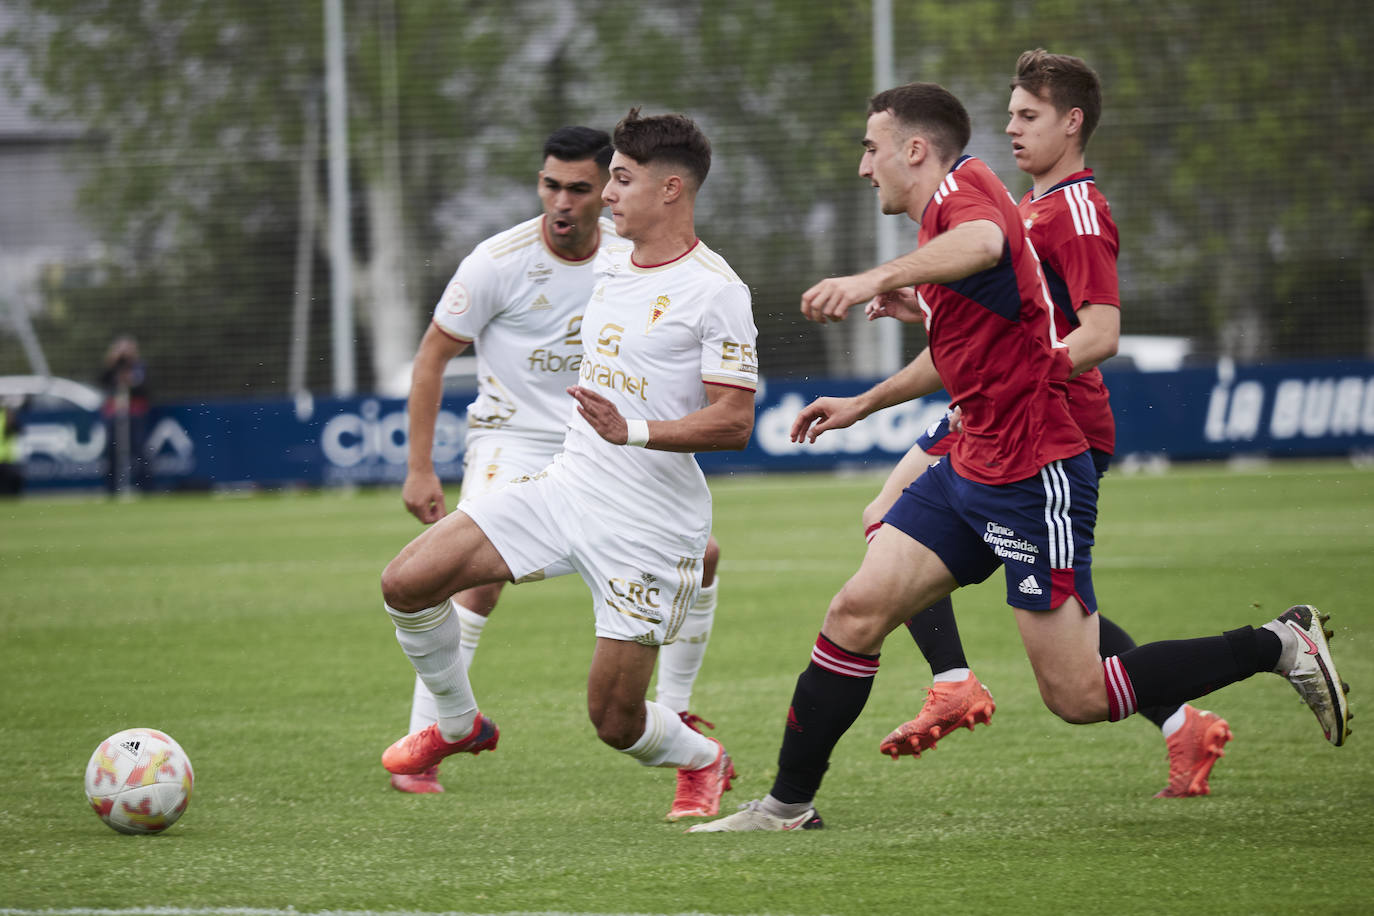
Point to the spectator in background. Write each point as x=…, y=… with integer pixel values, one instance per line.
x=11, y=461
x=124, y=378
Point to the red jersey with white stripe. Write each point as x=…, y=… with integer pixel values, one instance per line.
x=1072, y=230
x=993, y=340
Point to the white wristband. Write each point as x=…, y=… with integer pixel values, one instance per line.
x=637, y=432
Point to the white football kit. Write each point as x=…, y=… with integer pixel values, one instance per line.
x=633, y=521
x=521, y=304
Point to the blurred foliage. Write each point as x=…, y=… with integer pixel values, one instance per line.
x=1230, y=148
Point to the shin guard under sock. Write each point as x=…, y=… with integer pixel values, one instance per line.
x=1176, y=671
x=829, y=696
x=1112, y=640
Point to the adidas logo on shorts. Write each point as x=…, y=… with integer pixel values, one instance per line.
x=1029, y=586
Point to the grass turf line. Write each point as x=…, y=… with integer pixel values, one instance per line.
x=251, y=630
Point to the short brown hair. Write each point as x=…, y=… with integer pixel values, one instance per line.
x=1065, y=82
x=670, y=138
x=931, y=110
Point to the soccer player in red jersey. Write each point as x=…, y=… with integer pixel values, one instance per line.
x=1018, y=489
x=1055, y=105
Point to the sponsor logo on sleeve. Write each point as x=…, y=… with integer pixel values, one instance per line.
x=456, y=300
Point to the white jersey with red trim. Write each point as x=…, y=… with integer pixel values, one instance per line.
x=653, y=338
x=520, y=304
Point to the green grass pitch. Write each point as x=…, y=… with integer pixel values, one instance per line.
x=251, y=630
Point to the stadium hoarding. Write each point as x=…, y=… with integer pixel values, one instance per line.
x=1283, y=410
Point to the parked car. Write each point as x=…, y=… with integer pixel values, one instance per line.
x=47, y=392
x=459, y=375
x=1151, y=353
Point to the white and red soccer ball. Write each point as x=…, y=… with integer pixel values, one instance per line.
x=139, y=781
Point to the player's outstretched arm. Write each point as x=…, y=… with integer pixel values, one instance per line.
x=916, y=379
x=724, y=424
x=422, y=492
x=961, y=252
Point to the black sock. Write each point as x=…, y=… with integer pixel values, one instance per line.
x=829, y=696
x=1179, y=670
x=937, y=636
x=1116, y=641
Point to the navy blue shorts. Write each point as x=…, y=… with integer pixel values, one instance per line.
x=933, y=434
x=1039, y=529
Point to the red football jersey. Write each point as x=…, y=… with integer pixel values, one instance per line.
x=993, y=340
x=1071, y=227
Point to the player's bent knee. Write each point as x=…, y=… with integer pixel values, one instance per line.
x=855, y=622
x=400, y=592
x=393, y=586
x=1075, y=707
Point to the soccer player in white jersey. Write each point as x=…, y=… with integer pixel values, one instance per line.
x=519, y=295
x=668, y=368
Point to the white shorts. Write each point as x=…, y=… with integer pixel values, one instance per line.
x=492, y=460
x=641, y=588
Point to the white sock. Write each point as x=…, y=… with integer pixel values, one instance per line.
x=1175, y=721
x=1288, y=658
x=429, y=639
x=679, y=662
x=953, y=675
x=471, y=623
x=423, y=712
x=666, y=742
x=771, y=805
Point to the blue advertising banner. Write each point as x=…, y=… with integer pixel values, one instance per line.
x=1298, y=409
x=1287, y=410
x=301, y=442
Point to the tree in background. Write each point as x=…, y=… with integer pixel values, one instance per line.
x=780, y=89
x=201, y=109
x=1231, y=149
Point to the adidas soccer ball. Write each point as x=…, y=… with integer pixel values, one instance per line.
x=139, y=781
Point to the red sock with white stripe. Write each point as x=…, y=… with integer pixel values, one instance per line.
x=1120, y=692
x=829, y=696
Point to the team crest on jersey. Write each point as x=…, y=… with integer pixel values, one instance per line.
x=455, y=300
x=660, y=308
